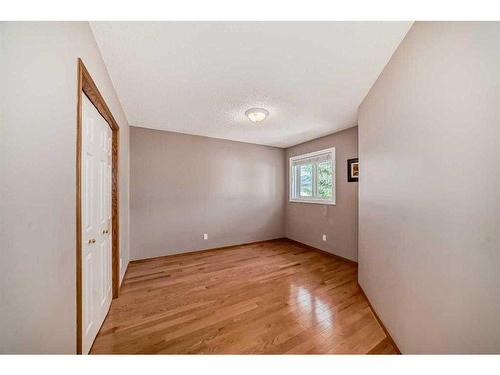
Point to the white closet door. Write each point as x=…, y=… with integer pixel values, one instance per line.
x=96, y=214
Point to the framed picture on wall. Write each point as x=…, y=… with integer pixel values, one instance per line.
x=352, y=170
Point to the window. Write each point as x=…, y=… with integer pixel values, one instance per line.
x=312, y=177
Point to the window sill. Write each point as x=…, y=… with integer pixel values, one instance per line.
x=329, y=203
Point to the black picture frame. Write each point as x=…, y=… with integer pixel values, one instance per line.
x=350, y=176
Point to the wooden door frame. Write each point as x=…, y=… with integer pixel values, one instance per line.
x=87, y=86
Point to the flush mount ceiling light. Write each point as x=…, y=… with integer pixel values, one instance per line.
x=256, y=114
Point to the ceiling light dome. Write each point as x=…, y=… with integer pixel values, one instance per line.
x=256, y=114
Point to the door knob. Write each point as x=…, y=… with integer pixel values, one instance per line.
x=92, y=240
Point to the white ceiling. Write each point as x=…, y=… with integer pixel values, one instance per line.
x=201, y=77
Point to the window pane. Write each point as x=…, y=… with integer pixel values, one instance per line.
x=306, y=172
x=325, y=180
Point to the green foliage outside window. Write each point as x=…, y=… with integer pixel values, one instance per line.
x=325, y=180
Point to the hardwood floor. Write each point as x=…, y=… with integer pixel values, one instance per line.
x=266, y=298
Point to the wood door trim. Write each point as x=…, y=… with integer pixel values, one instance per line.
x=87, y=86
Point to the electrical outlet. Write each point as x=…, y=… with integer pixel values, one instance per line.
x=324, y=237
x=205, y=236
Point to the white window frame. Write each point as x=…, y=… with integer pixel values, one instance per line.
x=292, y=186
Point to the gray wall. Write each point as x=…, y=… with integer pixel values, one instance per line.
x=38, y=182
x=183, y=186
x=429, y=136
x=307, y=222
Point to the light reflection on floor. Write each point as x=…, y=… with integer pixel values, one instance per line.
x=312, y=311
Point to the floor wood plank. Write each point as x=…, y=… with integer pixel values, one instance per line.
x=268, y=298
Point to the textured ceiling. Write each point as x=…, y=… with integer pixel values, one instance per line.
x=201, y=77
